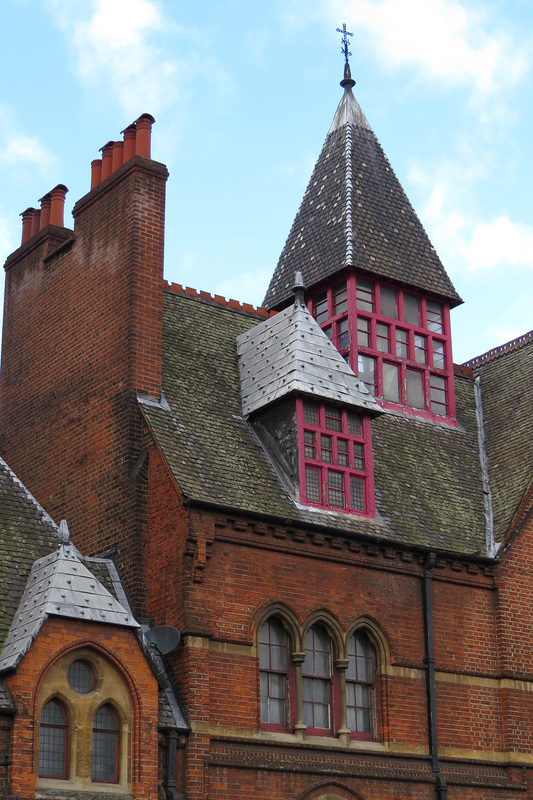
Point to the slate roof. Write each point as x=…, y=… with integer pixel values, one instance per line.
x=506, y=379
x=59, y=585
x=355, y=214
x=289, y=353
x=29, y=546
x=427, y=475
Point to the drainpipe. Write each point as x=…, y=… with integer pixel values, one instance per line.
x=431, y=689
x=170, y=783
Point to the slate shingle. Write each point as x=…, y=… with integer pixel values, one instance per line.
x=427, y=475
x=506, y=380
x=355, y=214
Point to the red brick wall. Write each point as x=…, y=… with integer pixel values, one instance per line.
x=82, y=334
x=120, y=647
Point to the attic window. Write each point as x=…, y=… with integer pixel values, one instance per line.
x=397, y=342
x=335, y=457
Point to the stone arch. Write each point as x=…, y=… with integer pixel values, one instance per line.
x=376, y=636
x=331, y=790
x=331, y=624
x=287, y=617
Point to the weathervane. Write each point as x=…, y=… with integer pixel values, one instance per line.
x=345, y=35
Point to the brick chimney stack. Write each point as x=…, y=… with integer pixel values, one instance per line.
x=82, y=336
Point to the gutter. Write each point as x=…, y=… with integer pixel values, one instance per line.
x=441, y=789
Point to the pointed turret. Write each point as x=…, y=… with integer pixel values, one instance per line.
x=355, y=214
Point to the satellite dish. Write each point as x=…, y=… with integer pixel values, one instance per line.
x=163, y=638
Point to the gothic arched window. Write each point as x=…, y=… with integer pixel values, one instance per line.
x=105, y=754
x=53, y=740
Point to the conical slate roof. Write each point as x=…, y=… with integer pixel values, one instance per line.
x=355, y=214
x=289, y=353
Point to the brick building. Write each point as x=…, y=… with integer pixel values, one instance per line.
x=336, y=518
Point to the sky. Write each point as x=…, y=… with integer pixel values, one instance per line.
x=244, y=94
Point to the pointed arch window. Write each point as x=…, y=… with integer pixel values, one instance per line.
x=317, y=677
x=360, y=685
x=53, y=740
x=274, y=673
x=106, y=735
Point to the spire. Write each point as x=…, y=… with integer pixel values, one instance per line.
x=355, y=214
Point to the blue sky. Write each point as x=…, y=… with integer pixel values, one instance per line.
x=244, y=93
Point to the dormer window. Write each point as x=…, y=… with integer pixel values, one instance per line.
x=335, y=457
x=397, y=342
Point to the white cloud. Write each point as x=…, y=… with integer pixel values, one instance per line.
x=120, y=43
x=462, y=238
x=18, y=150
x=497, y=243
x=447, y=40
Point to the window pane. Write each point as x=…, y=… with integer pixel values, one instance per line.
x=333, y=418
x=326, y=453
x=320, y=309
x=312, y=484
x=415, y=388
x=389, y=307
x=336, y=489
x=310, y=413
x=434, y=316
x=438, y=394
x=53, y=741
x=420, y=349
x=342, y=452
x=340, y=298
x=383, y=337
x=357, y=493
x=391, y=382
x=354, y=423
x=363, y=332
x=411, y=309
x=365, y=295
x=363, y=720
x=309, y=444
x=329, y=332
x=438, y=354
x=358, y=456
x=80, y=676
x=105, y=746
x=366, y=367
x=402, y=350
x=342, y=331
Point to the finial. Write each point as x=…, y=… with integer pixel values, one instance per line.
x=299, y=289
x=63, y=534
x=348, y=80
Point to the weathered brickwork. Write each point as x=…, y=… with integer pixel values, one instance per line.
x=117, y=646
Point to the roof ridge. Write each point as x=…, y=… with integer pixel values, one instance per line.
x=502, y=349
x=236, y=305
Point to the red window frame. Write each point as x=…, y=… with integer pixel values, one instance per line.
x=335, y=452
x=53, y=741
x=361, y=686
x=105, y=740
x=271, y=670
x=419, y=341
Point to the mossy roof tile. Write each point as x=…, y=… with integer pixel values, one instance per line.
x=427, y=475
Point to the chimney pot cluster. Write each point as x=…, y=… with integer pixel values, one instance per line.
x=50, y=213
x=137, y=142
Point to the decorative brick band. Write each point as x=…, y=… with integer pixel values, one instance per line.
x=218, y=299
x=496, y=352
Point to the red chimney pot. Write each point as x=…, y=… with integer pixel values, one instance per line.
x=107, y=160
x=96, y=172
x=130, y=136
x=46, y=209
x=58, y=204
x=144, y=135
x=118, y=155
x=35, y=221
x=27, y=217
